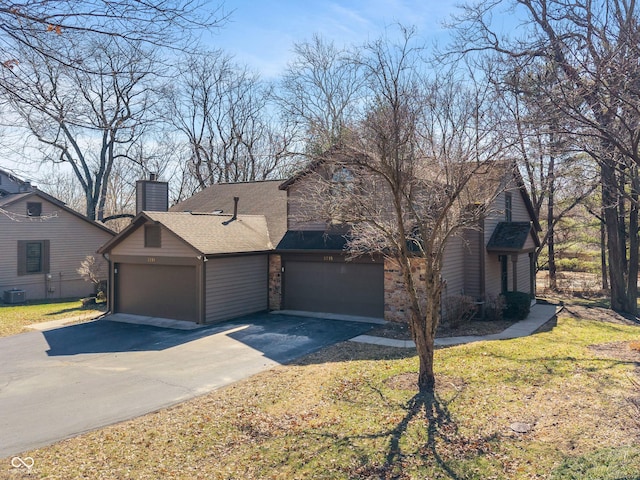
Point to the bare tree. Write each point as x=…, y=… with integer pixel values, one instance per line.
x=418, y=171
x=33, y=25
x=559, y=178
x=319, y=91
x=85, y=120
x=592, y=49
x=222, y=109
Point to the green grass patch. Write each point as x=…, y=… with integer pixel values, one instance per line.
x=14, y=318
x=351, y=412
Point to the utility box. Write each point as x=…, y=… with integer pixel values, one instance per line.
x=15, y=296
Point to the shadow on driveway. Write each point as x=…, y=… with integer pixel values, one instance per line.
x=279, y=337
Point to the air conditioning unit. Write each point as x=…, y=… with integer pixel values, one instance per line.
x=15, y=296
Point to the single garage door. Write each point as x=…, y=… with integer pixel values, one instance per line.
x=335, y=287
x=166, y=291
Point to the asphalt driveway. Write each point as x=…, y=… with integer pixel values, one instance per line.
x=62, y=382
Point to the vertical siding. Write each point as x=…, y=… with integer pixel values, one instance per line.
x=71, y=240
x=236, y=286
x=171, y=245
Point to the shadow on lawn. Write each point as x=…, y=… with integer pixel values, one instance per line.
x=439, y=426
x=443, y=444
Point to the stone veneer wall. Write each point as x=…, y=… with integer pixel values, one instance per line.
x=395, y=297
x=275, y=282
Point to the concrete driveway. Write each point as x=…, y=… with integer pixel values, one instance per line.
x=59, y=383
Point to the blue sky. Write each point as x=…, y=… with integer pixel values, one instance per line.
x=261, y=34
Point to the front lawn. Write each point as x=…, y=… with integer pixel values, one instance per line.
x=13, y=318
x=351, y=412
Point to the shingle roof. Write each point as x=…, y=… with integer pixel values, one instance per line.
x=312, y=240
x=14, y=198
x=509, y=237
x=256, y=198
x=217, y=234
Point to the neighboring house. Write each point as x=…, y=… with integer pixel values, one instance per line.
x=43, y=243
x=234, y=249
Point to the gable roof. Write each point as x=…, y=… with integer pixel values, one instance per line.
x=255, y=198
x=496, y=169
x=15, y=198
x=208, y=234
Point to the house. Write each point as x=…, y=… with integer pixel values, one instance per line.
x=234, y=249
x=43, y=243
x=205, y=261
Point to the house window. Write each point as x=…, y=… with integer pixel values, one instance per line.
x=342, y=189
x=33, y=257
x=152, y=236
x=508, y=206
x=504, y=273
x=343, y=178
x=34, y=209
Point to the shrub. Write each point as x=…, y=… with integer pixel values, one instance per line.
x=517, y=305
x=494, y=308
x=458, y=309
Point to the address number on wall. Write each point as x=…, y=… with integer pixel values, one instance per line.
x=151, y=259
x=328, y=258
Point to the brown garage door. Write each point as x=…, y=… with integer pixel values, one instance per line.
x=166, y=291
x=344, y=288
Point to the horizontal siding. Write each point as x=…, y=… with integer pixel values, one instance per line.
x=236, y=286
x=454, y=266
x=471, y=274
x=492, y=268
x=171, y=245
x=303, y=215
x=71, y=240
x=524, y=278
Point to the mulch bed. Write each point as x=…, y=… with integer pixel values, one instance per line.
x=400, y=331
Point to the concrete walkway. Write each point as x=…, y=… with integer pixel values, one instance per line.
x=539, y=315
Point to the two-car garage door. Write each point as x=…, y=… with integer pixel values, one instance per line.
x=340, y=287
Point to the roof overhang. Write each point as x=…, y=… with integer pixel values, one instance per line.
x=511, y=237
x=311, y=241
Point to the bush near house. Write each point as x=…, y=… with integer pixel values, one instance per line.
x=517, y=305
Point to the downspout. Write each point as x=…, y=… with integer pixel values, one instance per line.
x=110, y=284
x=202, y=314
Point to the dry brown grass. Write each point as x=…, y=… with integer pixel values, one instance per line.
x=351, y=412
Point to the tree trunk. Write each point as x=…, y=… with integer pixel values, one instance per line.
x=424, y=331
x=603, y=254
x=632, y=277
x=617, y=257
x=553, y=282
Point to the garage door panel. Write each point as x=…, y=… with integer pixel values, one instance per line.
x=345, y=288
x=166, y=291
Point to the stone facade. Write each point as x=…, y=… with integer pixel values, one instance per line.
x=395, y=297
x=275, y=282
